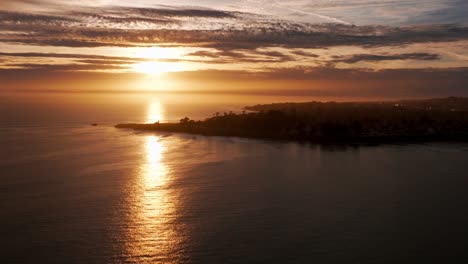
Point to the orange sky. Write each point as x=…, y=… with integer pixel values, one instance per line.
x=294, y=47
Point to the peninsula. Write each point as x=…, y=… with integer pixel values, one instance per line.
x=443, y=119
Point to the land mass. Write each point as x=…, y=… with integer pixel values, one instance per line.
x=444, y=119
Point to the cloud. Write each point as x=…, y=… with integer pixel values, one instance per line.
x=284, y=55
x=216, y=57
x=177, y=12
x=17, y=4
x=64, y=55
x=242, y=55
x=305, y=54
x=387, y=12
x=361, y=12
x=17, y=17
x=67, y=67
x=216, y=37
x=452, y=11
x=222, y=30
x=375, y=58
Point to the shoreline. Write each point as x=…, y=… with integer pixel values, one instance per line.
x=444, y=120
x=360, y=140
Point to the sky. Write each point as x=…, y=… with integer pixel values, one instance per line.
x=385, y=48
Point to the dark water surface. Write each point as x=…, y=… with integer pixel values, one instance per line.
x=81, y=194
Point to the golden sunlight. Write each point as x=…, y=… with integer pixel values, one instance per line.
x=155, y=170
x=157, y=55
x=156, y=68
x=155, y=206
x=154, y=113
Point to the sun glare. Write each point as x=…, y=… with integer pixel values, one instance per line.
x=154, y=112
x=156, y=68
x=152, y=231
x=157, y=57
x=158, y=53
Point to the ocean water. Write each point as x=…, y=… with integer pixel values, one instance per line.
x=73, y=193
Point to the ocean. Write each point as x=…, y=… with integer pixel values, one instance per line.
x=75, y=193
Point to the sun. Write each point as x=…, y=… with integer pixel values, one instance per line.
x=148, y=68
x=154, y=112
x=156, y=68
x=158, y=60
x=157, y=53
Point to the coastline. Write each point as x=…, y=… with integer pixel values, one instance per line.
x=357, y=140
x=444, y=119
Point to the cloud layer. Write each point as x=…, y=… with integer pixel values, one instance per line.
x=51, y=37
x=119, y=26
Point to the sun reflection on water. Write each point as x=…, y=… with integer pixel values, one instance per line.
x=154, y=238
x=155, y=170
x=154, y=112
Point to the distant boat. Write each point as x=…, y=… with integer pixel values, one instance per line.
x=94, y=124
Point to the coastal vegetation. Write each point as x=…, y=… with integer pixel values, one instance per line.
x=408, y=120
